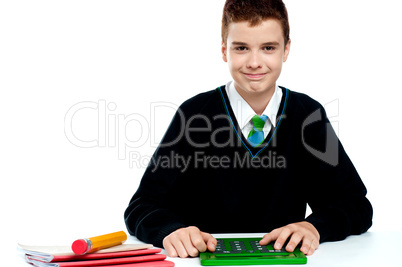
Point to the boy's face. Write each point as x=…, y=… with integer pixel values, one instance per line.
x=255, y=55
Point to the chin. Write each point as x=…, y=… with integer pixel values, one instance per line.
x=257, y=89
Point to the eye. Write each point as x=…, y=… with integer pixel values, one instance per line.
x=241, y=48
x=269, y=48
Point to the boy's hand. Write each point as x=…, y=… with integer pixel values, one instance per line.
x=301, y=231
x=188, y=241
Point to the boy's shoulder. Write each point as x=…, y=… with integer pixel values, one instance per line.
x=202, y=102
x=302, y=102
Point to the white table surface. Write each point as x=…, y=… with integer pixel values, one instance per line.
x=373, y=249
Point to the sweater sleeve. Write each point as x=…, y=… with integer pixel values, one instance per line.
x=147, y=216
x=337, y=195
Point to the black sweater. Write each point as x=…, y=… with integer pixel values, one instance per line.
x=205, y=174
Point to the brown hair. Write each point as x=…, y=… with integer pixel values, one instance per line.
x=255, y=12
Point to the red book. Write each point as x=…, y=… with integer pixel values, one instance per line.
x=126, y=255
x=125, y=261
x=96, y=256
x=64, y=253
x=147, y=264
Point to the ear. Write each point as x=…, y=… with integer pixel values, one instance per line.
x=224, y=51
x=287, y=50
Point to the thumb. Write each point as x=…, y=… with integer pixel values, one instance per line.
x=209, y=240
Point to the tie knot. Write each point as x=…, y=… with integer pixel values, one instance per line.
x=259, y=122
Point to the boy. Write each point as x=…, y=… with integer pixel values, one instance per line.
x=250, y=155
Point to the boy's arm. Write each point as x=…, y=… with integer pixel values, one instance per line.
x=147, y=216
x=336, y=195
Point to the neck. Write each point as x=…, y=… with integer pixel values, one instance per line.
x=258, y=101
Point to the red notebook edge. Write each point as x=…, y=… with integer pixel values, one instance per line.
x=108, y=255
x=94, y=256
x=163, y=263
x=47, y=253
x=124, y=261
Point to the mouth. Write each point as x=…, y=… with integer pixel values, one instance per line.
x=254, y=76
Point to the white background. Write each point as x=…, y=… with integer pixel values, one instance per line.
x=133, y=55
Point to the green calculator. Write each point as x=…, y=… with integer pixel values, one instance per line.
x=248, y=251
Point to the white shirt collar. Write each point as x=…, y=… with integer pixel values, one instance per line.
x=242, y=110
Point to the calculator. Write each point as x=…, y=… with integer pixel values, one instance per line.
x=248, y=251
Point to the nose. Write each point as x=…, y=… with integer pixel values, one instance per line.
x=254, y=61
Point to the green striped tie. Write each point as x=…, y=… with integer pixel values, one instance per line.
x=256, y=135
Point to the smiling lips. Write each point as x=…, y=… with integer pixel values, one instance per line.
x=255, y=76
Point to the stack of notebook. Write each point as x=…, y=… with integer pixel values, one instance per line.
x=125, y=255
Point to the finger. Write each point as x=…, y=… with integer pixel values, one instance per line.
x=179, y=240
x=309, y=251
x=170, y=250
x=294, y=241
x=179, y=247
x=313, y=248
x=190, y=250
x=210, y=240
x=266, y=239
x=212, y=245
x=273, y=235
x=197, y=242
x=306, y=245
x=283, y=236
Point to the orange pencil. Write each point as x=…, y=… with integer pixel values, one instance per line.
x=92, y=244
